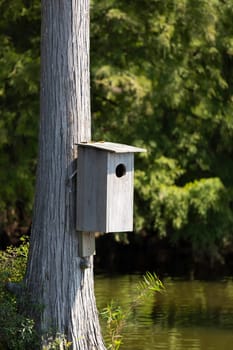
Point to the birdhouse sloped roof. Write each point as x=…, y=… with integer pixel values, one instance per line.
x=112, y=147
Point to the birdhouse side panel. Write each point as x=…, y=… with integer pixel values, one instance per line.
x=120, y=192
x=91, y=190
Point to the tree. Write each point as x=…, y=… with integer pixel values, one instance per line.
x=61, y=293
x=161, y=74
x=166, y=84
x=19, y=81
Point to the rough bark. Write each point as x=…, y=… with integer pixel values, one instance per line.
x=63, y=292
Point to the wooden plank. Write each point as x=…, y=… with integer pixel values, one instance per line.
x=86, y=244
x=120, y=193
x=92, y=190
x=113, y=147
x=105, y=191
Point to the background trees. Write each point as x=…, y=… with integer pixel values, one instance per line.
x=19, y=100
x=161, y=78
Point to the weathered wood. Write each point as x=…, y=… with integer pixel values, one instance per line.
x=120, y=194
x=105, y=188
x=86, y=244
x=113, y=147
x=63, y=293
x=91, y=190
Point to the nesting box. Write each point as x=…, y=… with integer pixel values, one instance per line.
x=105, y=187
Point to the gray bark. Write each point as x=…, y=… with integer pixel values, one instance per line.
x=62, y=292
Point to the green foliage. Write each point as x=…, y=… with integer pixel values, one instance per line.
x=116, y=317
x=161, y=78
x=150, y=284
x=13, y=262
x=161, y=75
x=56, y=343
x=16, y=330
x=19, y=99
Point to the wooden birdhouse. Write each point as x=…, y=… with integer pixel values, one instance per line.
x=105, y=187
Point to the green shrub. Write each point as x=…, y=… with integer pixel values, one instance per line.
x=16, y=330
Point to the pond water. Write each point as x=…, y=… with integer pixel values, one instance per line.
x=189, y=315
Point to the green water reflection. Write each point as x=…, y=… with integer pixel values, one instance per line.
x=190, y=315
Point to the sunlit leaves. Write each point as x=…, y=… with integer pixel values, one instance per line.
x=161, y=78
x=150, y=284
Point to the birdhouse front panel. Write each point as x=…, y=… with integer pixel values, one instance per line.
x=120, y=192
x=105, y=187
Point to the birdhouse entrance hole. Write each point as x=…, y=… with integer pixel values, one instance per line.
x=105, y=189
x=120, y=170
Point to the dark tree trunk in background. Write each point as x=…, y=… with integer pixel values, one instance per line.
x=63, y=292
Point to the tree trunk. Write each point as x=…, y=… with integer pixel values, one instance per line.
x=62, y=291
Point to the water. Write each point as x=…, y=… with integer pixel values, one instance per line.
x=190, y=315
